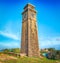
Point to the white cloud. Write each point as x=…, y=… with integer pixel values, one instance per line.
x=11, y=29
x=9, y=45
x=9, y=35
x=48, y=42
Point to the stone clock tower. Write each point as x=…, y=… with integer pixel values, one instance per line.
x=29, y=39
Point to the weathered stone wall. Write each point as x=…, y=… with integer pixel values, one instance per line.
x=29, y=40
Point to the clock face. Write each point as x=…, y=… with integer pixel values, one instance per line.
x=32, y=15
x=24, y=16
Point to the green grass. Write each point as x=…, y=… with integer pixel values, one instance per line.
x=31, y=60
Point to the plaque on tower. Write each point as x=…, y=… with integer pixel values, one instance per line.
x=29, y=38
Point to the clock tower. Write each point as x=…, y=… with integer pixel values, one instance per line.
x=29, y=38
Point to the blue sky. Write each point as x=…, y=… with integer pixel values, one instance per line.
x=48, y=21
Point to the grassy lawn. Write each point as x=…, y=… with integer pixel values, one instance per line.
x=31, y=60
x=11, y=59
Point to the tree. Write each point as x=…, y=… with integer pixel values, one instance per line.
x=6, y=50
x=15, y=50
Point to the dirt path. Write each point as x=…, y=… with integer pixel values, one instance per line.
x=6, y=57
